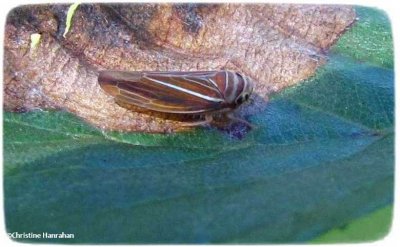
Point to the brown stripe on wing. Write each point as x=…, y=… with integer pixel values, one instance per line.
x=192, y=83
x=235, y=86
x=182, y=73
x=158, y=106
x=239, y=85
x=149, y=88
x=221, y=80
x=161, y=96
x=108, y=80
x=231, y=88
x=144, y=92
x=203, y=81
x=132, y=81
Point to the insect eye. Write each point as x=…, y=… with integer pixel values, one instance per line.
x=239, y=100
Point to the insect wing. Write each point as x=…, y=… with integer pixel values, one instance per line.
x=171, y=92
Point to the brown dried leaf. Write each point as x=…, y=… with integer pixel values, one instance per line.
x=276, y=45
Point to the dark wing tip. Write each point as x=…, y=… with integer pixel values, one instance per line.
x=108, y=82
x=106, y=77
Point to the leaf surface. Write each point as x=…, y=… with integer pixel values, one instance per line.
x=320, y=156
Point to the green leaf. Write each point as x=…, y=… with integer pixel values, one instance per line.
x=368, y=228
x=369, y=40
x=320, y=157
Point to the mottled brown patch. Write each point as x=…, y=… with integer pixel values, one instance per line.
x=276, y=45
x=190, y=16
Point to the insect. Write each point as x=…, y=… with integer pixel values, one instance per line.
x=204, y=93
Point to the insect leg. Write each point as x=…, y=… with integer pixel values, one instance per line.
x=208, y=120
x=233, y=118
